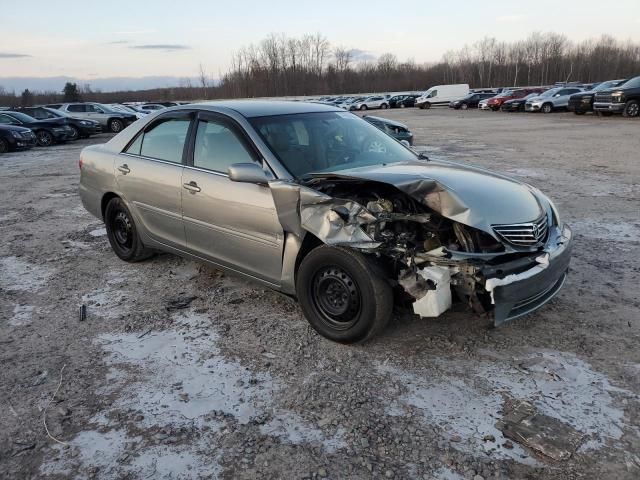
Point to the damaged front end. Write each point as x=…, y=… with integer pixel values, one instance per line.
x=431, y=240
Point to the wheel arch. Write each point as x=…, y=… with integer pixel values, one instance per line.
x=106, y=198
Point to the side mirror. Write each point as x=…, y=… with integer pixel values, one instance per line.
x=405, y=143
x=247, y=173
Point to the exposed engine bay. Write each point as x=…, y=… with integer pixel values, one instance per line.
x=429, y=258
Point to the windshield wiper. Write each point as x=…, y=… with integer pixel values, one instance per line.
x=423, y=156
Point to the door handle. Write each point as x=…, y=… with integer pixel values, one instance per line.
x=192, y=186
x=124, y=169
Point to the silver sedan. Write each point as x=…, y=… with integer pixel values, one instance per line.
x=319, y=204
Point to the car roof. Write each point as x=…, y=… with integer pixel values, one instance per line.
x=264, y=108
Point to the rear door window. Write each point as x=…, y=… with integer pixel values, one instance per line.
x=162, y=140
x=78, y=108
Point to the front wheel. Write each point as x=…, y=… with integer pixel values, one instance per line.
x=363, y=107
x=342, y=295
x=547, y=108
x=464, y=106
x=4, y=146
x=384, y=106
x=75, y=133
x=427, y=105
x=116, y=125
x=122, y=232
x=631, y=109
x=44, y=138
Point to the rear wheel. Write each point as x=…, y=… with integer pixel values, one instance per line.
x=363, y=107
x=116, y=125
x=122, y=232
x=547, y=108
x=342, y=295
x=631, y=109
x=464, y=106
x=4, y=146
x=426, y=105
x=45, y=138
x=384, y=106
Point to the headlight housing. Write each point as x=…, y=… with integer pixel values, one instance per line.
x=617, y=96
x=15, y=134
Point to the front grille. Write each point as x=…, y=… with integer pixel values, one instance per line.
x=604, y=98
x=524, y=234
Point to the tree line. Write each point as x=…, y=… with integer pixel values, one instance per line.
x=310, y=65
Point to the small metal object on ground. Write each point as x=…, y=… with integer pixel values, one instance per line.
x=83, y=312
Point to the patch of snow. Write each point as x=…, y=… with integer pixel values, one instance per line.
x=21, y=315
x=467, y=400
x=292, y=428
x=98, y=232
x=19, y=275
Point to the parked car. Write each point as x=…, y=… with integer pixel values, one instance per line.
x=79, y=128
x=109, y=119
x=483, y=104
x=395, y=99
x=470, y=101
x=152, y=107
x=374, y=101
x=14, y=138
x=48, y=132
x=496, y=102
x=517, y=104
x=623, y=99
x=553, y=99
x=582, y=102
x=408, y=101
x=125, y=109
x=323, y=206
x=397, y=130
x=442, y=95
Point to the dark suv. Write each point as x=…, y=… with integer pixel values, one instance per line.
x=582, y=102
x=623, y=99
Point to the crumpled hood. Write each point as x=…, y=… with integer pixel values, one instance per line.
x=465, y=194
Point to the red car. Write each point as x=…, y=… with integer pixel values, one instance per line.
x=496, y=102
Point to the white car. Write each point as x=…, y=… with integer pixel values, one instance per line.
x=124, y=109
x=374, y=101
x=483, y=104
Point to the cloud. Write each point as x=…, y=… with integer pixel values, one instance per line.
x=118, y=42
x=510, y=18
x=161, y=46
x=361, y=55
x=13, y=55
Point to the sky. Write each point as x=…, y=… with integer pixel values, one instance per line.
x=96, y=40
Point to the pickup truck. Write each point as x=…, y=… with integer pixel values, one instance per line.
x=624, y=99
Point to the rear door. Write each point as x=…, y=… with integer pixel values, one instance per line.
x=149, y=176
x=231, y=223
x=77, y=110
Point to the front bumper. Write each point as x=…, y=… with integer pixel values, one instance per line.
x=533, y=107
x=608, y=107
x=522, y=286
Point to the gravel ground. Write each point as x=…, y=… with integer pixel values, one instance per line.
x=181, y=371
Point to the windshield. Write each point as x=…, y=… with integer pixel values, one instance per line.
x=23, y=117
x=550, y=93
x=328, y=141
x=55, y=113
x=633, y=83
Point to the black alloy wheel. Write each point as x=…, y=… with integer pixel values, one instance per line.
x=45, y=138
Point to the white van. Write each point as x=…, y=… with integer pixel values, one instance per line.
x=442, y=95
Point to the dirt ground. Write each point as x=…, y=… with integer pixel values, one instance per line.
x=181, y=371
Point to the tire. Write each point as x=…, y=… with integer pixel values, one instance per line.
x=402, y=105
x=45, y=138
x=76, y=133
x=578, y=112
x=546, y=108
x=426, y=105
x=342, y=295
x=115, y=125
x=122, y=232
x=363, y=107
x=4, y=146
x=464, y=106
x=384, y=106
x=631, y=109
x=373, y=145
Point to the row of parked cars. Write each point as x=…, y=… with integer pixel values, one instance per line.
x=604, y=98
x=26, y=127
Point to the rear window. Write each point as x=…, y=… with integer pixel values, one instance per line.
x=76, y=108
x=164, y=140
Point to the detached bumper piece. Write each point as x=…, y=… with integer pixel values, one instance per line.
x=517, y=291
